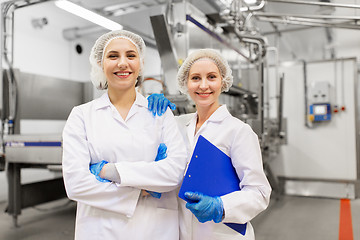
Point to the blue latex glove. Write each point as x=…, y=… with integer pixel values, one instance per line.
x=155, y=194
x=96, y=168
x=205, y=208
x=160, y=156
x=158, y=103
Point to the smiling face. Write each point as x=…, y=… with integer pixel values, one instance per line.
x=121, y=64
x=204, y=84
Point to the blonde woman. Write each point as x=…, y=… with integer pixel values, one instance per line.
x=203, y=76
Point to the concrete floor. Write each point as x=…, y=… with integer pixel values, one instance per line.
x=55, y=221
x=290, y=218
x=299, y=218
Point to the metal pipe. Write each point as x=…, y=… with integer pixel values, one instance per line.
x=249, y=16
x=276, y=54
x=267, y=89
x=252, y=13
x=305, y=16
x=278, y=32
x=261, y=96
x=313, y=20
x=249, y=38
x=24, y=3
x=259, y=58
x=280, y=105
x=316, y=21
x=247, y=19
x=317, y=3
x=293, y=63
x=342, y=84
x=8, y=18
x=253, y=8
x=312, y=24
x=306, y=94
x=260, y=41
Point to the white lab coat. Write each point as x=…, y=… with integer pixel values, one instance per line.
x=240, y=143
x=95, y=131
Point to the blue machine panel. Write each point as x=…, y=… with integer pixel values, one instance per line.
x=320, y=111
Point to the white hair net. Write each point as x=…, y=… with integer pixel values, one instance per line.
x=97, y=75
x=221, y=63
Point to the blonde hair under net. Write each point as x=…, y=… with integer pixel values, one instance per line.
x=97, y=74
x=221, y=63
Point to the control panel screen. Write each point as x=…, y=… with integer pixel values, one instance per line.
x=320, y=110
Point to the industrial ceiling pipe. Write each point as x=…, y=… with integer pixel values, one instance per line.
x=327, y=4
x=296, y=21
x=262, y=14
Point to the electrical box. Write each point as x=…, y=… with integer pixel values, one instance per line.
x=320, y=107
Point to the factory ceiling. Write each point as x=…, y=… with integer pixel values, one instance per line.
x=306, y=29
x=300, y=29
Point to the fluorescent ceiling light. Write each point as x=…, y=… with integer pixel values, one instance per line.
x=88, y=15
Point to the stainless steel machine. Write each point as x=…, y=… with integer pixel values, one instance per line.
x=37, y=98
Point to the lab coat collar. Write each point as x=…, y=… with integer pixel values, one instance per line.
x=219, y=115
x=104, y=101
x=141, y=100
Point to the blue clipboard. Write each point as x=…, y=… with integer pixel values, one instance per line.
x=211, y=172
